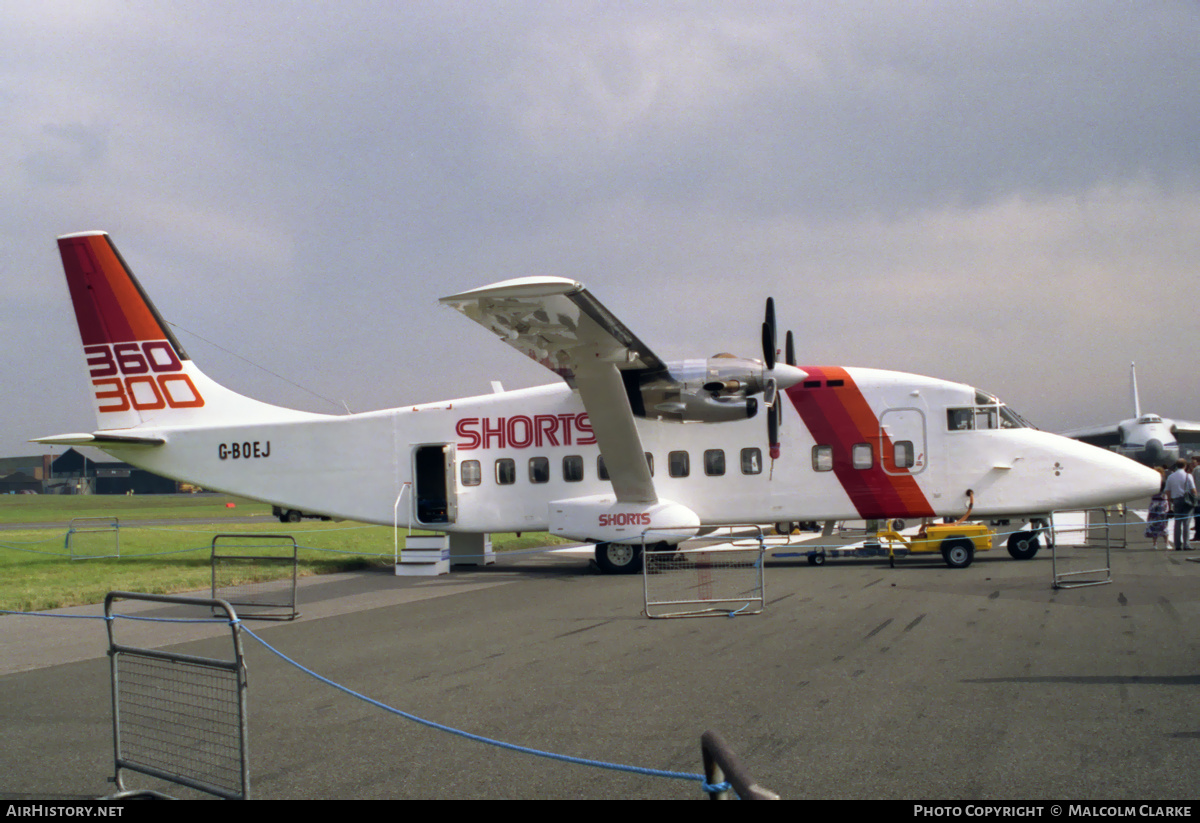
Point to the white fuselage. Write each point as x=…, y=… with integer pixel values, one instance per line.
x=856, y=443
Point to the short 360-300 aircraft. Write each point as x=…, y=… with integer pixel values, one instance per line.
x=623, y=451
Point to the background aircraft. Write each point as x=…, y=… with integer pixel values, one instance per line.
x=1146, y=438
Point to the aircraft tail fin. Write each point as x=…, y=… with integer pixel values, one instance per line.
x=140, y=375
x=1137, y=405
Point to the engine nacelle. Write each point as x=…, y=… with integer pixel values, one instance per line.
x=701, y=406
x=601, y=519
x=715, y=390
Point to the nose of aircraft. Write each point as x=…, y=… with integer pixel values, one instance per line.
x=1154, y=452
x=1123, y=479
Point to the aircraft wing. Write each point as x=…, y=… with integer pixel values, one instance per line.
x=1187, y=432
x=1103, y=436
x=557, y=322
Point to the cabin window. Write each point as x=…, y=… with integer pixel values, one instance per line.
x=472, y=473
x=602, y=470
x=903, y=454
x=678, y=464
x=862, y=456
x=506, y=471
x=572, y=468
x=751, y=461
x=714, y=462
x=822, y=458
x=539, y=470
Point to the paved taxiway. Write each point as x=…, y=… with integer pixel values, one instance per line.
x=858, y=681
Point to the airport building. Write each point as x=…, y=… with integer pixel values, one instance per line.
x=79, y=472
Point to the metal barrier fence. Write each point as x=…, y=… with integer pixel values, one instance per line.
x=235, y=577
x=1073, y=543
x=176, y=717
x=719, y=574
x=721, y=765
x=85, y=534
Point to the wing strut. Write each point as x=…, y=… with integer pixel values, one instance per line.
x=603, y=393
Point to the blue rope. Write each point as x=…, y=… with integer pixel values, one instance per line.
x=580, y=761
x=478, y=738
x=47, y=614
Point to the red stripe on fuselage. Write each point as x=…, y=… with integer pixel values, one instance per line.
x=839, y=416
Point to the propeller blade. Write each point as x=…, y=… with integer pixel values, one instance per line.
x=768, y=340
x=769, y=322
x=773, y=433
x=790, y=350
x=771, y=390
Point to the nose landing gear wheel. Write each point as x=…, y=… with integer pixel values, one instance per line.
x=1023, y=545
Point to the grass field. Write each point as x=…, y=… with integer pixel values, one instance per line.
x=54, y=508
x=37, y=571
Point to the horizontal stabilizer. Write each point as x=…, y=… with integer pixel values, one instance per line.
x=100, y=440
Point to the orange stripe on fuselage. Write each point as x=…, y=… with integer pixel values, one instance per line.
x=840, y=416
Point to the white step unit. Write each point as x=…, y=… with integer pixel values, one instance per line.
x=424, y=555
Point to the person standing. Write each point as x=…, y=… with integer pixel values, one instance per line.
x=1159, y=514
x=1196, y=511
x=1179, y=484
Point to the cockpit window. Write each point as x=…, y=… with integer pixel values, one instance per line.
x=1009, y=419
x=960, y=419
x=987, y=413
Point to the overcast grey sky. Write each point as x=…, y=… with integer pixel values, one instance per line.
x=1001, y=193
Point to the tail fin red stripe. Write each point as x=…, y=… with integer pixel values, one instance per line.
x=109, y=304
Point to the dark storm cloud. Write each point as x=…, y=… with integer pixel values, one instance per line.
x=300, y=182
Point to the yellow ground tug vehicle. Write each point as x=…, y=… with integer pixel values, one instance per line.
x=957, y=542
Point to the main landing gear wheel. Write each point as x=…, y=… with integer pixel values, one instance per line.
x=1023, y=545
x=292, y=516
x=958, y=552
x=619, y=558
